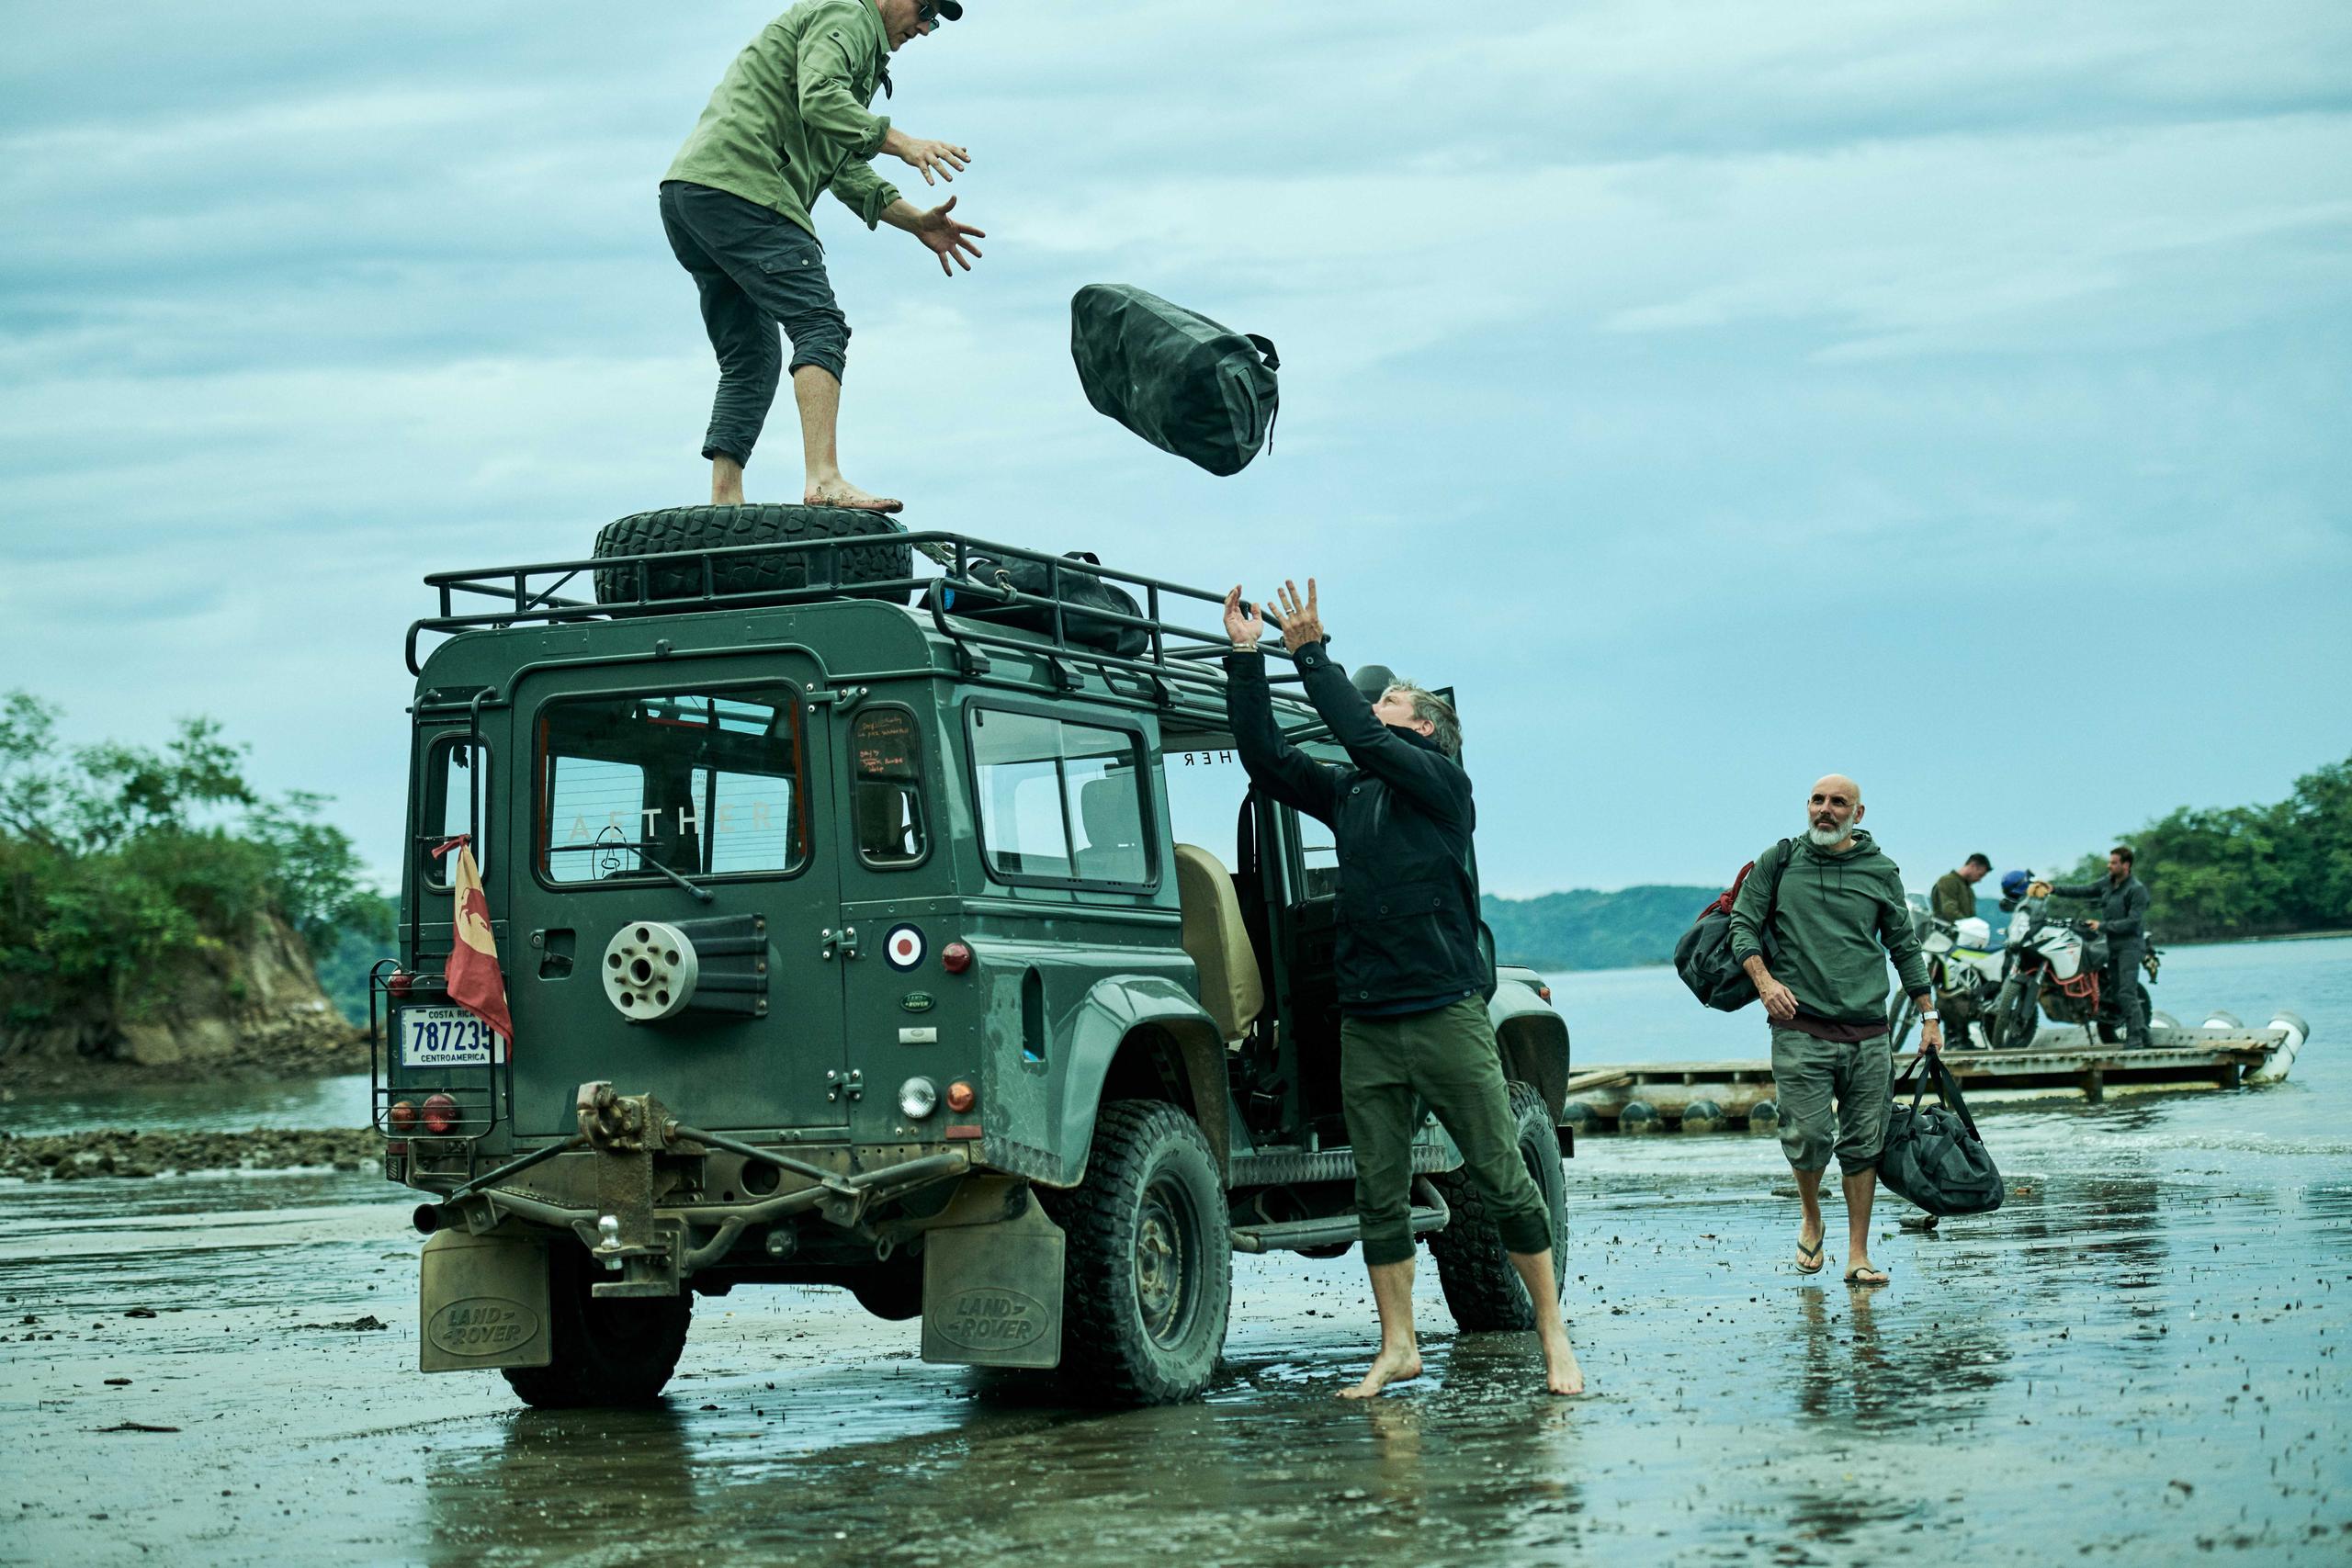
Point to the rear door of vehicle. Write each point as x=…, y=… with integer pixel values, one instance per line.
x=721, y=772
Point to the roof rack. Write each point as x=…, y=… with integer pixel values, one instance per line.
x=1181, y=667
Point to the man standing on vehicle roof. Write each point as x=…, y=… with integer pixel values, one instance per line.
x=1954, y=896
x=1412, y=982
x=2123, y=910
x=789, y=121
x=1829, y=909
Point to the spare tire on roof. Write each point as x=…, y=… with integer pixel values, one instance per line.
x=886, y=556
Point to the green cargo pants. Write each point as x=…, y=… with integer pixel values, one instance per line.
x=1445, y=1058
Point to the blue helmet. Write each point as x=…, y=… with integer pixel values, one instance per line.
x=2014, y=882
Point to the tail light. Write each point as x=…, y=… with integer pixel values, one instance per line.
x=1543, y=991
x=955, y=958
x=403, y=1116
x=398, y=983
x=960, y=1096
x=440, y=1114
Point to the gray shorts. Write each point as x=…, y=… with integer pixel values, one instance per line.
x=1809, y=1075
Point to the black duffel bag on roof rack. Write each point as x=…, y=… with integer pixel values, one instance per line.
x=1079, y=591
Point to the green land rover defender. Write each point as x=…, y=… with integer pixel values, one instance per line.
x=855, y=932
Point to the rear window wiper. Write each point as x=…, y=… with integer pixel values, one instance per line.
x=645, y=858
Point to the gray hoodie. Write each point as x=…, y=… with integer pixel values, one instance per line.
x=1838, y=916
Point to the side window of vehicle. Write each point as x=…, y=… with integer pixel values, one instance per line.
x=456, y=786
x=1059, y=801
x=1318, y=858
x=886, y=788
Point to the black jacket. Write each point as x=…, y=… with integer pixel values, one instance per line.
x=1401, y=815
x=2123, y=907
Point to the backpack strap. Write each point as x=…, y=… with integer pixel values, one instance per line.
x=1265, y=347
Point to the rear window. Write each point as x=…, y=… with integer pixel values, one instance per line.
x=1060, y=802
x=707, y=784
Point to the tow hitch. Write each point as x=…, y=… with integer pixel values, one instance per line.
x=626, y=1132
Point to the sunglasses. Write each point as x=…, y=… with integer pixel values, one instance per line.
x=926, y=14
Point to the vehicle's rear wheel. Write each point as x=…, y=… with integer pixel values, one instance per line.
x=1148, y=1275
x=608, y=1351
x=1481, y=1287
x=883, y=557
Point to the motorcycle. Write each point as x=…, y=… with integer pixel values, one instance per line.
x=1966, y=970
x=2056, y=967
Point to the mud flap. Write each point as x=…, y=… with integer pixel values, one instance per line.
x=483, y=1301
x=992, y=1294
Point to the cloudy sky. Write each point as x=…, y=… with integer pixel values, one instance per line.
x=1951, y=394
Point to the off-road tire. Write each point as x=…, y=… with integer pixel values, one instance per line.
x=893, y=1291
x=1482, y=1289
x=710, y=527
x=1150, y=1182
x=608, y=1351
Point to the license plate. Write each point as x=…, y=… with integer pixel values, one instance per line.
x=447, y=1037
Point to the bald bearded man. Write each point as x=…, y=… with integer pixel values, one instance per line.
x=1827, y=908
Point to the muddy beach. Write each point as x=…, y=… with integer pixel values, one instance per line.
x=2138, y=1361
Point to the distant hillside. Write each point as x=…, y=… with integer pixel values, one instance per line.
x=1586, y=929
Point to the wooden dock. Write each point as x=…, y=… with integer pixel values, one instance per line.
x=2060, y=1062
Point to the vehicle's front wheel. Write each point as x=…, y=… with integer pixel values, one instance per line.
x=608, y=1351
x=1148, y=1275
x=1482, y=1289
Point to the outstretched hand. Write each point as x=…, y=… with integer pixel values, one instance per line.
x=1243, y=624
x=1302, y=621
x=930, y=157
x=946, y=237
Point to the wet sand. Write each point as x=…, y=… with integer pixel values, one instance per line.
x=2139, y=1361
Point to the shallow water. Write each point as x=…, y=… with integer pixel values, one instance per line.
x=2138, y=1359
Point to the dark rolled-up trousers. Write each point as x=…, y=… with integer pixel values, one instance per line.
x=756, y=270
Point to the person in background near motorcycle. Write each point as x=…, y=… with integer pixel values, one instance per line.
x=788, y=121
x=1830, y=908
x=1954, y=898
x=2123, y=909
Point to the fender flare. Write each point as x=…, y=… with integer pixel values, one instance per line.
x=1533, y=1039
x=1112, y=1012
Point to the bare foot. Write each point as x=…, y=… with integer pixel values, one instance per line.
x=1389, y=1366
x=842, y=493
x=1561, y=1373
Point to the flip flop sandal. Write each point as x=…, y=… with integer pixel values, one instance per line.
x=1854, y=1278
x=1813, y=1252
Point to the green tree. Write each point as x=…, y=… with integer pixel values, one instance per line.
x=117, y=861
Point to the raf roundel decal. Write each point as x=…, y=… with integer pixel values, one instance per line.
x=903, y=947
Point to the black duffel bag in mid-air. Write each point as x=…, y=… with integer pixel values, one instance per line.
x=1933, y=1156
x=1075, y=588
x=1182, y=382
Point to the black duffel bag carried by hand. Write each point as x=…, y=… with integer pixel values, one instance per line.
x=1933, y=1156
x=1182, y=382
x=1072, y=587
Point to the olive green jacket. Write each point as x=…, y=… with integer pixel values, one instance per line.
x=1953, y=899
x=790, y=118
x=1837, y=917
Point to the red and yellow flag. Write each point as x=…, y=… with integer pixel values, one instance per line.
x=475, y=982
